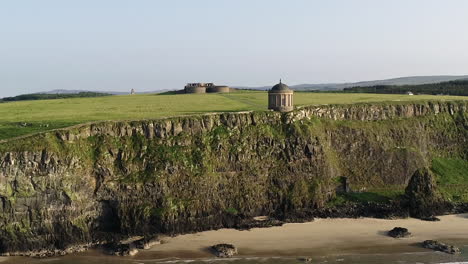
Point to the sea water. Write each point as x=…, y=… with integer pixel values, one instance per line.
x=397, y=258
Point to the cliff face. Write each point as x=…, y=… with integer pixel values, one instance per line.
x=203, y=172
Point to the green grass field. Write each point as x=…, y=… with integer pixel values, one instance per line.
x=26, y=117
x=452, y=178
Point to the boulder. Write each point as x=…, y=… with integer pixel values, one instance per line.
x=224, y=250
x=399, y=232
x=438, y=246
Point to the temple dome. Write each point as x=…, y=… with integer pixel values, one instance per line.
x=280, y=87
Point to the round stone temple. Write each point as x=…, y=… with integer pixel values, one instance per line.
x=280, y=98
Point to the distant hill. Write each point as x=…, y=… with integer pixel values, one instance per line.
x=457, y=87
x=62, y=91
x=44, y=96
x=412, y=80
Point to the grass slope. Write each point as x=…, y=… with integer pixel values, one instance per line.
x=25, y=117
x=452, y=178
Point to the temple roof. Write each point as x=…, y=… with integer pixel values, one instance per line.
x=280, y=87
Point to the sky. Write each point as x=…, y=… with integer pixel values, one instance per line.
x=147, y=45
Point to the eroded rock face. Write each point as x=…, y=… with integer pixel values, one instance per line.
x=439, y=246
x=99, y=182
x=224, y=250
x=424, y=199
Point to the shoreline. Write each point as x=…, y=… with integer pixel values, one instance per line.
x=321, y=237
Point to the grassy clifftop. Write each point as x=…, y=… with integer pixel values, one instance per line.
x=184, y=174
x=26, y=117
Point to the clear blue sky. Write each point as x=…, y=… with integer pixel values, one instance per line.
x=152, y=44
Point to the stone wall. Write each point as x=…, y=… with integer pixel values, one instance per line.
x=218, y=89
x=196, y=90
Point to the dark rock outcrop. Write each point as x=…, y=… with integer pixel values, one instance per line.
x=389, y=210
x=438, y=246
x=224, y=250
x=121, y=249
x=147, y=242
x=424, y=199
x=399, y=232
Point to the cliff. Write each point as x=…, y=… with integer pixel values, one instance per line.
x=90, y=183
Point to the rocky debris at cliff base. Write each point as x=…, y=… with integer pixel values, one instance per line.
x=147, y=242
x=399, y=232
x=430, y=219
x=254, y=223
x=130, y=246
x=391, y=210
x=47, y=253
x=37, y=253
x=224, y=250
x=459, y=208
x=121, y=249
x=438, y=246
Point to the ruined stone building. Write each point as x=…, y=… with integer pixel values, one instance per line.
x=205, y=88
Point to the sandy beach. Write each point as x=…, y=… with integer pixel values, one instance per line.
x=322, y=236
x=328, y=240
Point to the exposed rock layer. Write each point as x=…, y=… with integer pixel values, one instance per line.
x=424, y=199
x=439, y=246
x=91, y=183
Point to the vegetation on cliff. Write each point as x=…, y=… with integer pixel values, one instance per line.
x=96, y=181
x=452, y=178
